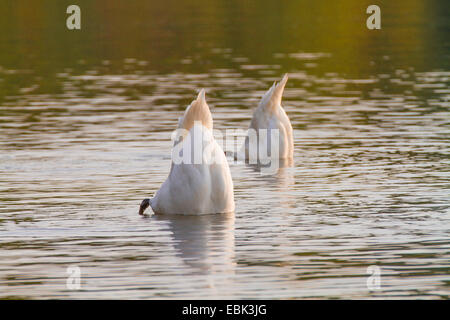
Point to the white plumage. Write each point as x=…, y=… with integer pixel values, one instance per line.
x=268, y=116
x=195, y=188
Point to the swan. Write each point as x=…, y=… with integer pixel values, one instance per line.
x=201, y=186
x=269, y=115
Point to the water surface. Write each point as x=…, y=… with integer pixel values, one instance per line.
x=85, y=124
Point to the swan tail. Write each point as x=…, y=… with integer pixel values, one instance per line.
x=272, y=98
x=197, y=111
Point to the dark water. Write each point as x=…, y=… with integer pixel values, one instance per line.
x=85, y=124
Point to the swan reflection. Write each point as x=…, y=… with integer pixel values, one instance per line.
x=204, y=243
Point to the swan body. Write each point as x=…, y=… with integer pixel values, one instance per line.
x=201, y=183
x=270, y=115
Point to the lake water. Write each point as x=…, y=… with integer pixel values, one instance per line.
x=86, y=119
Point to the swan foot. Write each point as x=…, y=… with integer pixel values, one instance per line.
x=144, y=205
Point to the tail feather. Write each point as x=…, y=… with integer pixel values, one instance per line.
x=198, y=111
x=273, y=96
x=279, y=89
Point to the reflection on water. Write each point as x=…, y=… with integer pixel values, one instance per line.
x=85, y=125
x=205, y=244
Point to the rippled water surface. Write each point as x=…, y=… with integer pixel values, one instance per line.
x=85, y=125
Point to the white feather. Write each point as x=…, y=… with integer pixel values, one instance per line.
x=271, y=115
x=203, y=188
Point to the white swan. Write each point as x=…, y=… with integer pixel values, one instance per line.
x=268, y=116
x=199, y=181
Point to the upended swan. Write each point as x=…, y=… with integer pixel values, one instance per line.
x=199, y=181
x=268, y=116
